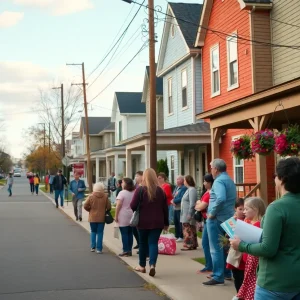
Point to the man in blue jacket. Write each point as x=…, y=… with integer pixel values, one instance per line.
x=178, y=193
x=77, y=188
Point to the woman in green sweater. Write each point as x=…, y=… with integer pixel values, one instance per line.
x=279, y=251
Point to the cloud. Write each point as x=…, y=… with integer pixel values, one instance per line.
x=58, y=7
x=9, y=18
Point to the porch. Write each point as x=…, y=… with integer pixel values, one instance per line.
x=273, y=108
x=189, y=142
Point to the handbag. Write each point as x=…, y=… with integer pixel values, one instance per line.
x=134, y=221
x=108, y=217
x=198, y=216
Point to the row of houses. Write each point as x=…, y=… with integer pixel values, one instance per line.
x=223, y=68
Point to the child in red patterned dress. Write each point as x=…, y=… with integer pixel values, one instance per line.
x=254, y=211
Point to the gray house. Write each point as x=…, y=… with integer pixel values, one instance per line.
x=179, y=64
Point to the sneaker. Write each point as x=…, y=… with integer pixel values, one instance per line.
x=179, y=240
x=92, y=249
x=99, y=252
x=212, y=282
x=205, y=270
x=124, y=254
x=136, y=247
x=56, y=205
x=80, y=219
x=76, y=219
x=228, y=278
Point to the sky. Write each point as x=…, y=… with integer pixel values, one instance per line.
x=38, y=38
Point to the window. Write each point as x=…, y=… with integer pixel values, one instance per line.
x=172, y=169
x=215, y=71
x=238, y=165
x=232, y=61
x=170, y=100
x=172, y=30
x=184, y=88
x=120, y=131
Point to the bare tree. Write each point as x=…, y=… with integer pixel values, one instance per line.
x=50, y=111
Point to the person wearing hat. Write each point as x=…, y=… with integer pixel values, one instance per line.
x=59, y=183
x=97, y=204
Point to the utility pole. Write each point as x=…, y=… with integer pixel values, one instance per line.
x=152, y=75
x=88, y=154
x=152, y=83
x=49, y=137
x=63, y=151
x=44, y=155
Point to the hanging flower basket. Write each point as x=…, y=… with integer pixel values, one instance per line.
x=287, y=142
x=240, y=148
x=263, y=142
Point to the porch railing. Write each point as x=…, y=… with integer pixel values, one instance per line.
x=245, y=190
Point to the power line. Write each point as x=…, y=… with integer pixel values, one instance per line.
x=141, y=49
x=296, y=47
x=285, y=23
x=119, y=39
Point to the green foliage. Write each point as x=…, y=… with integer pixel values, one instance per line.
x=200, y=260
x=162, y=167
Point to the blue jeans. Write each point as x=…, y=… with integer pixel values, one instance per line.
x=148, y=238
x=36, y=189
x=178, y=225
x=9, y=188
x=97, y=235
x=171, y=214
x=206, y=249
x=263, y=294
x=217, y=253
x=59, y=193
x=127, y=238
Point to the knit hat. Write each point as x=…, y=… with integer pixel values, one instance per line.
x=98, y=187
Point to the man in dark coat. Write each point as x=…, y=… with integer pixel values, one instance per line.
x=59, y=183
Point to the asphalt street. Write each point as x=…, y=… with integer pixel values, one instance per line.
x=44, y=255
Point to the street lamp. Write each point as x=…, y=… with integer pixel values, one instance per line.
x=152, y=79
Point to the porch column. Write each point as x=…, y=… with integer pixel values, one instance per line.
x=216, y=134
x=107, y=168
x=97, y=169
x=128, y=163
x=147, y=156
x=117, y=165
x=258, y=123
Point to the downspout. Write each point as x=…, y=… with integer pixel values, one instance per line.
x=194, y=87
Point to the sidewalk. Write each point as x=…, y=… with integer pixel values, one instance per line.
x=176, y=275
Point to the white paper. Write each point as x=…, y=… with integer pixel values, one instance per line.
x=247, y=233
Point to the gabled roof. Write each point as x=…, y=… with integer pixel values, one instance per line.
x=96, y=124
x=159, y=82
x=130, y=103
x=191, y=13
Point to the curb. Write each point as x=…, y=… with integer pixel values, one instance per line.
x=110, y=248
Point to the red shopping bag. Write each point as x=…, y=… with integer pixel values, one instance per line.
x=167, y=244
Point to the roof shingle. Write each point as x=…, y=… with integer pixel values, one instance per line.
x=130, y=103
x=96, y=124
x=197, y=128
x=190, y=12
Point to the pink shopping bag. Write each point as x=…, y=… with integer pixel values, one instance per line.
x=167, y=244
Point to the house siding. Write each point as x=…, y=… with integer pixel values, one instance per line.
x=198, y=85
x=176, y=48
x=227, y=17
x=262, y=54
x=286, y=61
x=96, y=143
x=180, y=116
x=135, y=125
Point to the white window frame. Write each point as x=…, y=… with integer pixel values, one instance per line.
x=242, y=164
x=170, y=97
x=120, y=130
x=184, y=71
x=229, y=41
x=212, y=49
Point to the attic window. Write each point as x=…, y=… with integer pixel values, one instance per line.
x=172, y=30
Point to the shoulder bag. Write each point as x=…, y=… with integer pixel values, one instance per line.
x=134, y=221
x=108, y=217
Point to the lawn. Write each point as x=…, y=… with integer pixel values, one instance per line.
x=2, y=182
x=200, y=260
